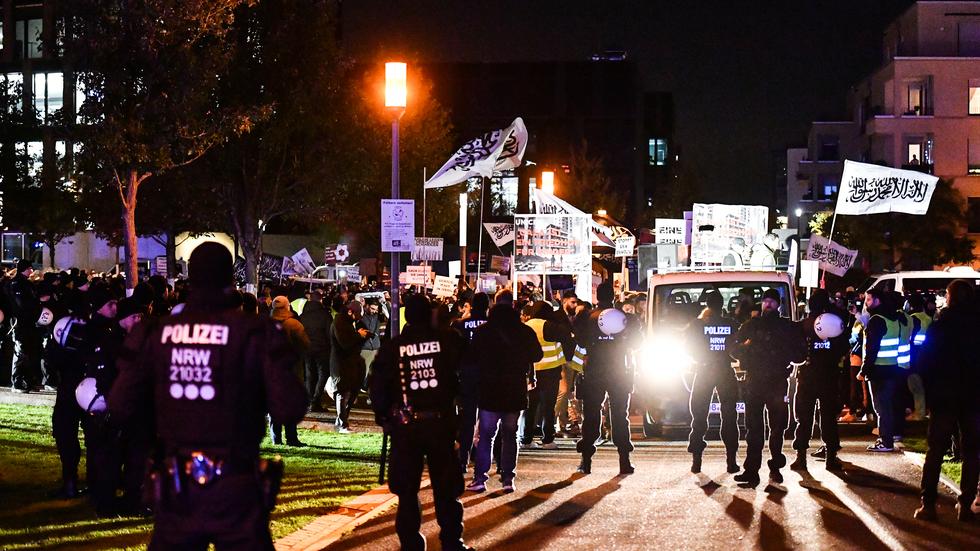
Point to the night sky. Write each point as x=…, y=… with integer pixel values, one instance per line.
x=747, y=77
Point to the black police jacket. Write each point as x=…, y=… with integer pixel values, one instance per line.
x=765, y=346
x=823, y=356
x=709, y=339
x=950, y=364
x=420, y=369
x=23, y=301
x=211, y=374
x=607, y=354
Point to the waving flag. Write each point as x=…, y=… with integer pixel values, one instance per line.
x=492, y=152
x=873, y=189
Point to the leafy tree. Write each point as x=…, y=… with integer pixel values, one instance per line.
x=587, y=186
x=907, y=241
x=150, y=72
x=322, y=155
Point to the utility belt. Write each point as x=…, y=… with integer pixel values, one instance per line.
x=405, y=415
x=170, y=479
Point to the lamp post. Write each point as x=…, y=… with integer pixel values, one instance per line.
x=395, y=102
x=799, y=218
x=548, y=182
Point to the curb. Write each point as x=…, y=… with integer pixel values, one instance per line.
x=324, y=531
x=919, y=459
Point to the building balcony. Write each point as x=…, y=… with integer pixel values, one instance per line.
x=919, y=167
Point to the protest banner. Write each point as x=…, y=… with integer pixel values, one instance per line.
x=303, y=262
x=625, y=246
x=552, y=244
x=833, y=257
x=724, y=234
x=444, y=286
x=502, y=233
x=492, y=152
x=669, y=231
x=499, y=263
x=418, y=275
x=427, y=249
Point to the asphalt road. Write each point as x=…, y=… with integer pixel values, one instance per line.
x=664, y=506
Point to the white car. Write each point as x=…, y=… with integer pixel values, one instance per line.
x=664, y=375
x=933, y=282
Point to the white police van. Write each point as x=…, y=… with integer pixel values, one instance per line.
x=923, y=282
x=664, y=370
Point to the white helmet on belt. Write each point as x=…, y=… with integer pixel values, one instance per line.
x=46, y=317
x=88, y=397
x=612, y=321
x=828, y=326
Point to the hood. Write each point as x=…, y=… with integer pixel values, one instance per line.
x=503, y=313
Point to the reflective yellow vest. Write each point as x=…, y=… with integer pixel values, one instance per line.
x=924, y=321
x=553, y=354
x=578, y=359
x=895, y=347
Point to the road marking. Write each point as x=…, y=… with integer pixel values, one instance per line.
x=882, y=530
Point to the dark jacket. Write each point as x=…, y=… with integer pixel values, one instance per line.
x=505, y=350
x=346, y=364
x=316, y=319
x=371, y=322
x=823, y=357
x=709, y=338
x=765, y=346
x=607, y=354
x=23, y=303
x=950, y=364
x=429, y=361
x=211, y=374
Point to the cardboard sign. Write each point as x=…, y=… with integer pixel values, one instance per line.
x=670, y=231
x=444, y=286
x=160, y=265
x=418, y=275
x=397, y=225
x=810, y=274
x=625, y=245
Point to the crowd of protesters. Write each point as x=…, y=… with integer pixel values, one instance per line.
x=337, y=333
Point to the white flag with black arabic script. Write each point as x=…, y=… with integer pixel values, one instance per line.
x=874, y=189
x=492, y=152
x=502, y=233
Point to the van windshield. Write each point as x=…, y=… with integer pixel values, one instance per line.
x=678, y=304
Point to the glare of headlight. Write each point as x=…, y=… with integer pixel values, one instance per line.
x=663, y=360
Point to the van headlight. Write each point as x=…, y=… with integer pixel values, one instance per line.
x=664, y=360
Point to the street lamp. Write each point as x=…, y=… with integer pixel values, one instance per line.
x=396, y=93
x=601, y=212
x=548, y=182
x=799, y=218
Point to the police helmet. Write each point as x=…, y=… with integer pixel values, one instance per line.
x=46, y=317
x=88, y=397
x=828, y=326
x=69, y=332
x=612, y=321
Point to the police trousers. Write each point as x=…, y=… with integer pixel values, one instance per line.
x=228, y=513
x=25, y=369
x=413, y=446
x=762, y=399
x=706, y=381
x=816, y=384
x=942, y=426
x=593, y=388
x=65, y=421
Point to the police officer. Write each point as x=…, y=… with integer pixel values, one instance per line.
x=210, y=373
x=710, y=335
x=765, y=346
x=469, y=376
x=816, y=381
x=608, y=370
x=887, y=357
x=24, y=311
x=413, y=392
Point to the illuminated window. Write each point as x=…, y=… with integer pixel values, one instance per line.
x=32, y=153
x=974, y=104
x=28, y=34
x=658, y=152
x=973, y=165
x=48, y=94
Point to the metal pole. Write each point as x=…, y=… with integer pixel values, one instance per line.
x=479, y=230
x=395, y=316
x=823, y=273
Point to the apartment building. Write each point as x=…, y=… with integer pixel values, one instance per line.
x=919, y=110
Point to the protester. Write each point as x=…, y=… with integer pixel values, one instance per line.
x=316, y=320
x=347, y=369
x=300, y=343
x=887, y=356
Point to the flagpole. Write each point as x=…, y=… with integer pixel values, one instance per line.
x=425, y=261
x=823, y=272
x=479, y=246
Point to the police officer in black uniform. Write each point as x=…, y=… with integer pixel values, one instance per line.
x=766, y=346
x=608, y=370
x=469, y=377
x=413, y=393
x=709, y=336
x=24, y=311
x=816, y=381
x=211, y=373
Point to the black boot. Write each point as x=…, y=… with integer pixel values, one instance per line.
x=585, y=466
x=695, y=462
x=733, y=464
x=776, y=476
x=68, y=490
x=927, y=511
x=750, y=478
x=625, y=467
x=833, y=463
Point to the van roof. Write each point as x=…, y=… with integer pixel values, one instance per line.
x=720, y=277
x=926, y=274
